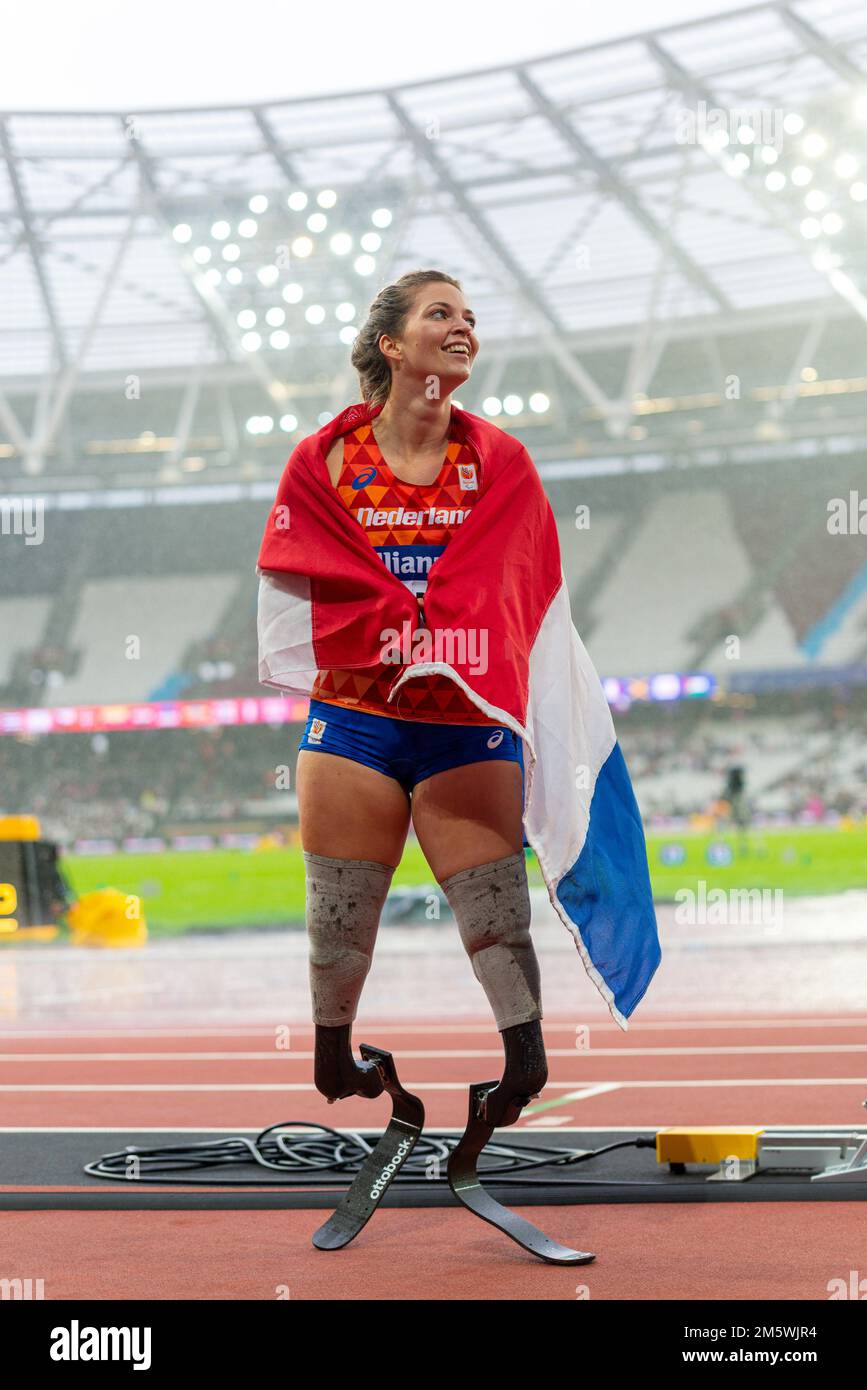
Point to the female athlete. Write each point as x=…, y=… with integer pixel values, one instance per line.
x=367, y=768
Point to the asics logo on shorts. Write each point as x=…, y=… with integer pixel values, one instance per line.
x=496, y=739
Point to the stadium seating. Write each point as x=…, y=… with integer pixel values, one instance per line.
x=18, y=617
x=165, y=614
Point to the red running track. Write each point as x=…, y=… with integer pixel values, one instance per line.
x=807, y=1070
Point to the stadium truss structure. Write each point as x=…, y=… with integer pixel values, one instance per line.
x=663, y=238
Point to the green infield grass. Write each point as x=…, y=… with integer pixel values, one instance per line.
x=236, y=888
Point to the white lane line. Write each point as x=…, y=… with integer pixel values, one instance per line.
x=259, y=1029
x=278, y=1054
x=599, y=1088
x=620, y=1084
x=301, y=1128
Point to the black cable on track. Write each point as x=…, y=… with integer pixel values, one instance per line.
x=339, y=1155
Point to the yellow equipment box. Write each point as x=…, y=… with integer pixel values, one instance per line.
x=710, y=1144
x=19, y=828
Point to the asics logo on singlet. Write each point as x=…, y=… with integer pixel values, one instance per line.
x=496, y=739
x=364, y=478
x=390, y=1168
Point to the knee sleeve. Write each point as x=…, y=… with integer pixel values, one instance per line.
x=491, y=904
x=345, y=898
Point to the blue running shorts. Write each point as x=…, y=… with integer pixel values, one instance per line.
x=408, y=750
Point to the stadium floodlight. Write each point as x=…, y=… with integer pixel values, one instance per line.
x=861, y=107
x=327, y=198
x=832, y=223
x=251, y=342
x=302, y=246
x=297, y=201
x=810, y=228
x=292, y=293
x=213, y=276
x=247, y=318
x=324, y=417
x=825, y=260
x=814, y=145
x=182, y=232
x=858, y=192
x=275, y=317
x=231, y=252
x=775, y=180
x=279, y=338
x=371, y=241
x=234, y=276
x=258, y=203
x=768, y=154
x=341, y=243
x=539, y=402
x=816, y=200
x=801, y=175
x=809, y=373
x=492, y=405
x=314, y=313
x=220, y=230
x=348, y=334
x=259, y=424
x=793, y=124
x=317, y=222
x=288, y=423
x=740, y=162
x=365, y=265
x=845, y=165
x=513, y=405
x=345, y=312
x=268, y=275
x=248, y=227
x=381, y=217
x=202, y=255
x=746, y=134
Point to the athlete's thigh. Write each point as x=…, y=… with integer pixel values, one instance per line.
x=469, y=815
x=350, y=811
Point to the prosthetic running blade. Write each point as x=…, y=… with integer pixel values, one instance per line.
x=377, y=1171
x=465, y=1184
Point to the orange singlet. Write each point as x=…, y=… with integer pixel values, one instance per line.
x=409, y=525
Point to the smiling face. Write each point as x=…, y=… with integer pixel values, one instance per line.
x=438, y=339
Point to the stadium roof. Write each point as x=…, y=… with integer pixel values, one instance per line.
x=599, y=206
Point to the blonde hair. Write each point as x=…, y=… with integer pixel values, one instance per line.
x=387, y=314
